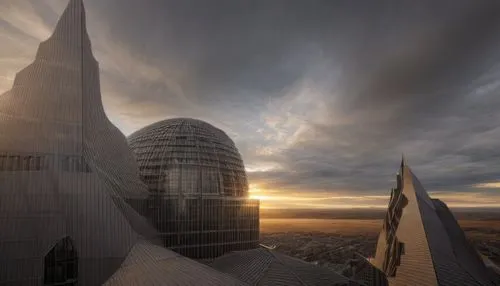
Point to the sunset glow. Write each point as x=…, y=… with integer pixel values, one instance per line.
x=491, y=185
x=282, y=199
x=294, y=118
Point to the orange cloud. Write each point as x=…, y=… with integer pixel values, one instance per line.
x=491, y=185
x=341, y=200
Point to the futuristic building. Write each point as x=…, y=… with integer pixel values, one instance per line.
x=360, y=269
x=65, y=172
x=71, y=195
x=199, y=188
x=267, y=268
x=190, y=157
x=421, y=242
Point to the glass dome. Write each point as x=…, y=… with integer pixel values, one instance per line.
x=184, y=156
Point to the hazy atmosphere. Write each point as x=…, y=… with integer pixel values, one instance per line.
x=320, y=97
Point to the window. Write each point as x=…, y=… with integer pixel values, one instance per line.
x=20, y=163
x=75, y=164
x=65, y=164
x=16, y=163
x=38, y=163
x=3, y=162
x=27, y=161
x=61, y=264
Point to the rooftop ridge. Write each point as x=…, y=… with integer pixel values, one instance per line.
x=418, y=189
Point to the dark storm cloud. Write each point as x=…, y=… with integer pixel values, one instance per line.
x=412, y=53
x=317, y=95
x=225, y=46
x=413, y=62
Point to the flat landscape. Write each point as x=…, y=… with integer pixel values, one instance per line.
x=334, y=226
x=474, y=228
x=330, y=241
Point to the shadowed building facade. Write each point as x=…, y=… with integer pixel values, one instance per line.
x=199, y=190
x=360, y=269
x=421, y=243
x=65, y=172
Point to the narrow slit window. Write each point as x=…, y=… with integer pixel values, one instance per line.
x=61, y=264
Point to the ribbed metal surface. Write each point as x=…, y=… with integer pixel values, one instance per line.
x=456, y=261
x=265, y=267
x=247, y=266
x=206, y=227
x=54, y=113
x=435, y=251
x=65, y=171
x=197, y=179
x=362, y=271
x=185, y=156
x=151, y=265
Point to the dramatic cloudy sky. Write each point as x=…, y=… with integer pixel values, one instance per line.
x=320, y=97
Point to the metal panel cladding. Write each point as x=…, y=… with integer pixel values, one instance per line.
x=198, y=187
x=65, y=170
x=184, y=156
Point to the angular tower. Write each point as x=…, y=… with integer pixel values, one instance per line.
x=54, y=109
x=64, y=169
x=421, y=243
x=65, y=172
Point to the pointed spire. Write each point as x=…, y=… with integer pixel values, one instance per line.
x=69, y=41
x=403, y=161
x=72, y=23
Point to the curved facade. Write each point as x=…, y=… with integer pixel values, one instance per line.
x=65, y=172
x=54, y=112
x=199, y=188
x=187, y=157
x=63, y=167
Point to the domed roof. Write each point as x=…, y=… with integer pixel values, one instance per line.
x=189, y=156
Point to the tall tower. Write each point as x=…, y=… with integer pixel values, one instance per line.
x=55, y=107
x=64, y=169
x=421, y=243
x=65, y=173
